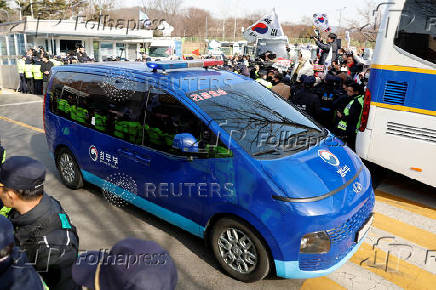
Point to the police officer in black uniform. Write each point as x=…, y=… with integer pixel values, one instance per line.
x=15, y=271
x=42, y=228
x=307, y=100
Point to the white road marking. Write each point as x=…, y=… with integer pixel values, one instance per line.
x=22, y=103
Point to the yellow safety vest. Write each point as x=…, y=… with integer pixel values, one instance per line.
x=37, y=73
x=21, y=64
x=264, y=83
x=342, y=124
x=28, y=70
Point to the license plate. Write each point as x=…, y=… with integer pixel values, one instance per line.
x=364, y=229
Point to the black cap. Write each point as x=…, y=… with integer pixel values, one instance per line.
x=309, y=80
x=22, y=173
x=131, y=264
x=6, y=232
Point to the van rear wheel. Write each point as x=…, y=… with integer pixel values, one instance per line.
x=240, y=251
x=68, y=169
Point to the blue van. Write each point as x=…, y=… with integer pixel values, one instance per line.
x=216, y=154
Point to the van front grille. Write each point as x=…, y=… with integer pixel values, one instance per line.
x=348, y=230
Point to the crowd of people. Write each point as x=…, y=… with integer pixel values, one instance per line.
x=330, y=89
x=34, y=67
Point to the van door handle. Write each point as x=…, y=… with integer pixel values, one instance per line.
x=126, y=153
x=135, y=157
x=142, y=160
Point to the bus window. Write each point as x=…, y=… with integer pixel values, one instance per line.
x=416, y=33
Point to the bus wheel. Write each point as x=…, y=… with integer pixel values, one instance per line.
x=68, y=169
x=240, y=251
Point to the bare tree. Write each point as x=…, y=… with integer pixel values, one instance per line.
x=168, y=7
x=365, y=26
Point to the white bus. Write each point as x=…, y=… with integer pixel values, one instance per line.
x=398, y=129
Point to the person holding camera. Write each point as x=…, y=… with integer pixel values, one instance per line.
x=330, y=46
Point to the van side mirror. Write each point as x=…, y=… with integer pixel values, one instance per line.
x=185, y=143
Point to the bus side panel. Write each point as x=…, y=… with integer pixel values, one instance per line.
x=401, y=131
x=396, y=147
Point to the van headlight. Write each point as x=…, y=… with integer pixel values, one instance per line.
x=315, y=243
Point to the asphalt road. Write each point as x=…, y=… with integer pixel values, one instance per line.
x=405, y=212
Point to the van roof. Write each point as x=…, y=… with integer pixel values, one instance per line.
x=187, y=79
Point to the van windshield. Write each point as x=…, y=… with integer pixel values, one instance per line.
x=277, y=47
x=159, y=51
x=262, y=123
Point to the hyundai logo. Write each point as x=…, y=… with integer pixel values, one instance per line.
x=357, y=187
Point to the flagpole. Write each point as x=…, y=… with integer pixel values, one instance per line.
x=206, y=27
x=234, y=31
x=31, y=8
x=224, y=29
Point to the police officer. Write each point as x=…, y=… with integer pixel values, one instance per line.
x=262, y=79
x=57, y=61
x=42, y=228
x=349, y=119
x=15, y=271
x=307, y=100
x=28, y=70
x=150, y=267
x=21, y=64
x=37, y=75
x=45, y=70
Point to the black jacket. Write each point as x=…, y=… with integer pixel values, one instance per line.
x=17, y=274
x=83, y=57
x=356, y=68
x=46, y=67
x=326, y=50
x=308, y=101
x=353, y=118
x=49, y=240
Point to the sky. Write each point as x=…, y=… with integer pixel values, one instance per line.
x=287, y=10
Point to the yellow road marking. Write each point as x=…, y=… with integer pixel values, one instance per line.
x=413, y=234
x=415, y=207
x=22, y=124
x=321, y=283
x=401, y=273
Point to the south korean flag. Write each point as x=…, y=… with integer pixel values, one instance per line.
x=267, y=27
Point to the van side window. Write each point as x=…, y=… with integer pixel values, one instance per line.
x=114, y=106
x=65, y=95
x=117, y=106
x=166, y=117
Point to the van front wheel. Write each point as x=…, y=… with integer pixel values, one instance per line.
x=68, y=169
x=240, y=251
